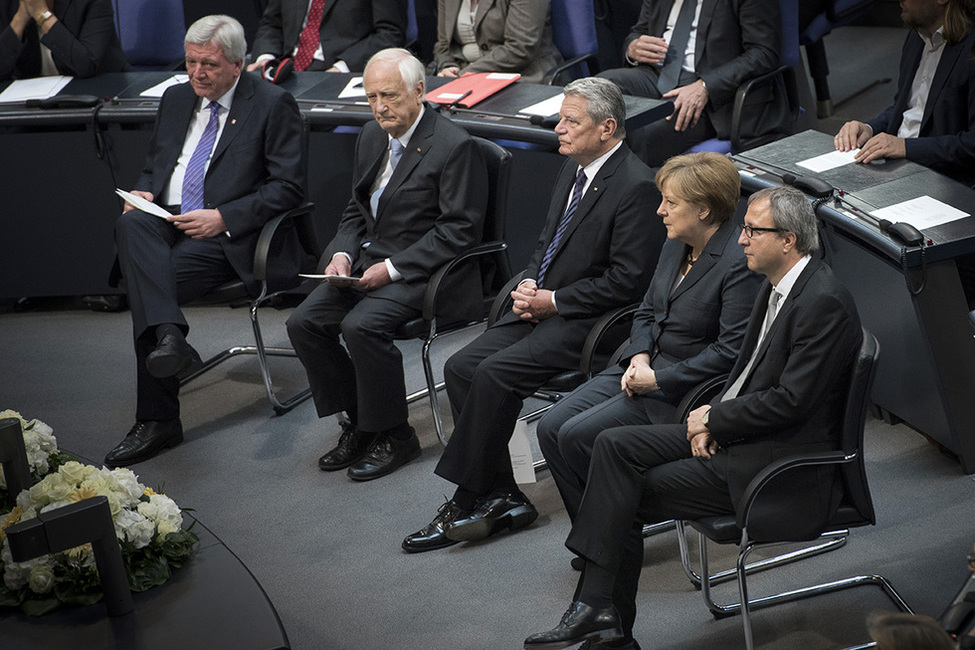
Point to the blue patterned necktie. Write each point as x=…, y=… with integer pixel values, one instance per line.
x=192, y=193
x=677, y=48
x=563, y=225
x=395, y=153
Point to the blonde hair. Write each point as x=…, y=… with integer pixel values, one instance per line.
x=705, y=179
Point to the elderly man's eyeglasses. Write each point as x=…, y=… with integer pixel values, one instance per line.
x=751, y=230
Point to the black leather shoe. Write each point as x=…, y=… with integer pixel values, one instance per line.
x=144, y=440
x=385, y=456
x=432, y=536
x=352, y=446
x=172, y=356
x=619, y=644
x=492, y=513
x=579, y=623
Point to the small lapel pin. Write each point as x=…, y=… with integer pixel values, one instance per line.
x=233, y=121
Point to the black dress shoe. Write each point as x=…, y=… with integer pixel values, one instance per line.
x=385, y=456
x=579, y=623
x=492, y=513
x=352, y=446
x=618, y=644
x=172, y=356
x=144, y=440
x=432, y=536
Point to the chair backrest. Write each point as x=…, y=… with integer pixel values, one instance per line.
x=837, y=14
x=789, y=56
x=856, y=492
x=151, y=32
x=498, y=160
x=574, y=32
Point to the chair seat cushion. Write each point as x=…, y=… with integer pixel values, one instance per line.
x=722, y=529
x=564, y=382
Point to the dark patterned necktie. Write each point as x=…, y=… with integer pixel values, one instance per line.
x=308, y=41
x=677, y=48
x=563, y=224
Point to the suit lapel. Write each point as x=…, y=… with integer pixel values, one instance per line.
x=948, y=60
x=912, y=58
x=704, y=23
x=596, y=189
x=482, y=9
x=785, y=307
x=712, y=252
x=420, y=144
x=668, y=267
x=658, y=20
x=240, y=111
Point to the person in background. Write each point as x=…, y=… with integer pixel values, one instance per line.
x=495, y=36
x=901, y=631
x=58, y=37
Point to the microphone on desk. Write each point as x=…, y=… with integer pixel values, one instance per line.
x=64, y=101
x=811, y=185
x=546, y=121
x=453, y=104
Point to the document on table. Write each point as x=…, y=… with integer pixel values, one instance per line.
x=353, y=89
x=160, y=88
x=829, y=160
x=922, y=212
x=40, y=88
x=546, y=107
x=146, y=206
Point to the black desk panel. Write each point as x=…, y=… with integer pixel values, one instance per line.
x=910, y=297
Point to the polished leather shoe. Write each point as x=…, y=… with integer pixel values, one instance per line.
x=432, y=537
x=579, y=623
x=172, y=356
x=491, y=513
x=353, y=445
x=385, y=456
x=618, y=644
x=144, y=440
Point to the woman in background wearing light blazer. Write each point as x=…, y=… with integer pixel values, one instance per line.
x=494, y=36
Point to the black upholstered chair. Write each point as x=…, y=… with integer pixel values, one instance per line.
x=760, y=523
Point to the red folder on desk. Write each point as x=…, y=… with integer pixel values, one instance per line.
x=472, y=88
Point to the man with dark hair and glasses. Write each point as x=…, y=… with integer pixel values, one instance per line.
x=785, y=393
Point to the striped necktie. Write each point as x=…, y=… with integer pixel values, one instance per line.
x=192, y=193
x=563, y=225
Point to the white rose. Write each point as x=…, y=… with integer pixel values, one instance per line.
x=135, y=527
x=74, y=472
x=129, y=483
x=41, y=579
x=165, y=528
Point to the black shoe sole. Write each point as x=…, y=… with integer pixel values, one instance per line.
x=436, y=547
x=599, y=636
x=474, y=530
x=334, y=468
x=162, y=366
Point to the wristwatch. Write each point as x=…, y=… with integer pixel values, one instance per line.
x=706, y=417
x=46, y=16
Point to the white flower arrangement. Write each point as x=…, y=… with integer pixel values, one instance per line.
x=149, y=527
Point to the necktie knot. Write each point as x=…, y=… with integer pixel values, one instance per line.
x=395, y=152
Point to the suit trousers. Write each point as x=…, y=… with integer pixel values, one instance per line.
x=487, y=383
x=163, y=269
x=658, y=141
x=567, y=432
x=365, y=376
x=642, y=474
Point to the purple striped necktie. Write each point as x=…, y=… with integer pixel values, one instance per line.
x=192, y=193
x=563, y=225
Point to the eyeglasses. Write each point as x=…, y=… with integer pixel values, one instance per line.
x=751, y=230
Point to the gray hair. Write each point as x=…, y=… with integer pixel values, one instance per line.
x=410, y=68
x=604, y=100
x=223, y=31
x=792, y=212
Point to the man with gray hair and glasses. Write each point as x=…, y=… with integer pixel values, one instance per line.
x=785, y=394
x=225, y=158
x=597, y=251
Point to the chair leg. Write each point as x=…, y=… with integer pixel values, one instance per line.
x=431, y=390
x=746, y=604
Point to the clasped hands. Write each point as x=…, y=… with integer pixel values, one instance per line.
x=639, y=378
x=197, y=224
x=689, y=100
x=531, y=303
x=856, y=134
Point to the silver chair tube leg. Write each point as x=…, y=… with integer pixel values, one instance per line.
x=742, y=569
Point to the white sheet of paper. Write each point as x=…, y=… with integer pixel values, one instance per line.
x=160, y=88
x=829, y=160
x=922, y=212
x=544, y=108
x=146, y=206
x=40, y=88
x=520, y=450
x=353, y=89
x=504, y=75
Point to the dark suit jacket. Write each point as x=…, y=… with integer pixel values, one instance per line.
x=431, y=210
x=513, y=35
x=793, y=399
x=946, y=142
x=83, y=42
x=351, y=30
x=605, y=258
x=256, y=171
x=695, y=332
x=736, y=41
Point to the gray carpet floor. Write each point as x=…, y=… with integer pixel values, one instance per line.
x=327, y=550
